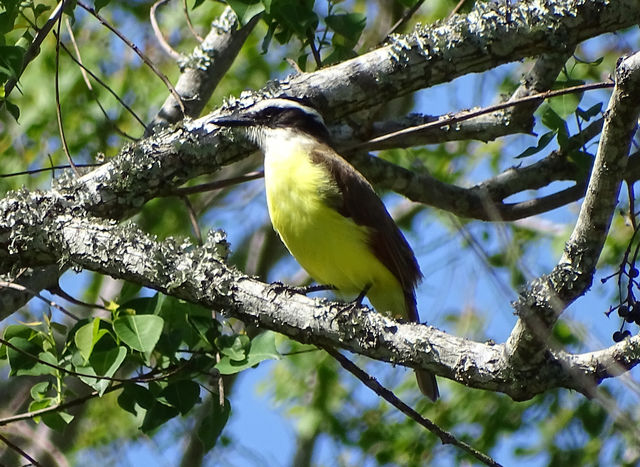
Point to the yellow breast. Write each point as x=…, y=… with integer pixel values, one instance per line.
x=330, y=247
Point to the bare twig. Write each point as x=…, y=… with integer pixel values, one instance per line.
x=17, y=448
x=391, y=398
x=405, y=18
x=312, y=45
x=63, y=139
x=158, y=33
x=57, y=290
x=51, y=303
x=218, y=184
x=138, y=52
x=185, y=9
x=461, y=116
x=455, y=9
x=107, y=87
x=59, y=407
x=193, y=218
x=85, y=76
x=45, y=169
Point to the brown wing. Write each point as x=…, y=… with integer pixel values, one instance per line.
x=359, y=201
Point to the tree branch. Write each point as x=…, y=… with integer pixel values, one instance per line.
x=56, y=232
x=548, y=296
x=476, y=42
x=205, y=67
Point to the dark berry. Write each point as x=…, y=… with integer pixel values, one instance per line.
x=617, y=336
x=626, y=333
x=633, y=272
x=623, y=311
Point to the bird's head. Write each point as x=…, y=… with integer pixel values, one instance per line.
x=269, y=116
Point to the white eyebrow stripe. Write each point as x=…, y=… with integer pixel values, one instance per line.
x=286, y=104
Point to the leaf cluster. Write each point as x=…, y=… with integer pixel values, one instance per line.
x=158, y=350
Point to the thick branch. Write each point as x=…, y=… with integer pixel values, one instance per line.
x=198, y=274
x=548, y=296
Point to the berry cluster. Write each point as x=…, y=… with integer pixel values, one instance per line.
x=629, y=307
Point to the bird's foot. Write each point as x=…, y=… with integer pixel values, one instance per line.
x=352, y=305
x=307, y=289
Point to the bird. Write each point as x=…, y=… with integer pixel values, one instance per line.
x=327, y=214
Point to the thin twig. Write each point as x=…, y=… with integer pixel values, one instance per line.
x=455, y=9
x=189, y=23
x=158, y=33
x=142, y=378
x=59, y=407
x=462, y=116
x=22, y=288
x=45, y=169
x=312, y=44
x=63, y=139
x=17, y=448
x=106, y=86
x=85, y=76
x=190, y=190
x=391, y=398
x=632, y=209
x=193, y=218
x=405, y=18
x=142, y=56
x=80, y=400
x=57, y=290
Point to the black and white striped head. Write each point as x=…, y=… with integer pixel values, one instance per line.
x=277, y=114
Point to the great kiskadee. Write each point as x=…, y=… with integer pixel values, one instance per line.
x=328, y=215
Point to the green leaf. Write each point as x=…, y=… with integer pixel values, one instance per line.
x=8, y=17
x=13, y=109
x=552, y=120
x=140, y=332
x=57, y=420
x=22, y=361
x=182, y=395
x=564, y=335
x=566, y=104
x=18, y=330
x=235, y=347
x=542, y=143
x=134, y=394
x=11, y=58
x=245, y=10
x=349, y=25
x=39, y=390
x=591, y=112
x=99, y=4
x=142, y=305
x=211, y=427
x=263, y=347
x=88, y=336
x=158, y=415
x=102, y=363
x=595, y=62
x=40, y=404
x=128, y=291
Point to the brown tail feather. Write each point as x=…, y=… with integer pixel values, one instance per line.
x=427, y=384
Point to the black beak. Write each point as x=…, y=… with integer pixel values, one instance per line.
x=233, y=120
